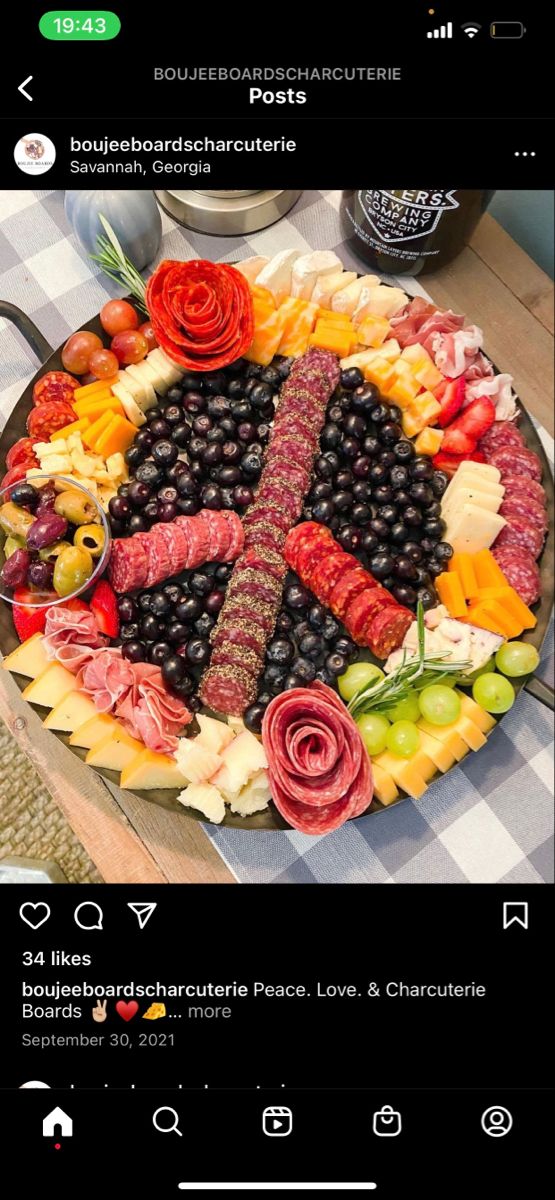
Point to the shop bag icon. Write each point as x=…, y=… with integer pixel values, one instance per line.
x=386, y=1122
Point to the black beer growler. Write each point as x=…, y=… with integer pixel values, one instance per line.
x=410, y=232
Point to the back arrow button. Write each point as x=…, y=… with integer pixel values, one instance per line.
x=22, y=87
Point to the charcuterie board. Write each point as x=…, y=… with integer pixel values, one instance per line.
x=270, y=817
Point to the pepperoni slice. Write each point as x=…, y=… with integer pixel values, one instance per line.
x=21, y=451
x=312, y=554
x=333, y=567
x=55, y=385
x=48, y=417
x=362, y=608
x=387, y=629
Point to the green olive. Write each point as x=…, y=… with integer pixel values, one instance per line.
x=91, y=538
x=13, y=543
x=72, y=569
x=50, y=553
x=15, y=520
x=76, y=507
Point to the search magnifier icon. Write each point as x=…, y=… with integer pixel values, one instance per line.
x=163, y=1126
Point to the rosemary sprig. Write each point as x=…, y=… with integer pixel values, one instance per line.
x=416, y=671
x=117, y=265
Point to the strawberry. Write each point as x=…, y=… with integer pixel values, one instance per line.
x=477, y=417
x=75, y=605
x=450, y=394
x=104, y=607
x=450, y=462
x=456, y=441
x=27, y=620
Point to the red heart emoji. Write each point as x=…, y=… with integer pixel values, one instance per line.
x=126, y=1009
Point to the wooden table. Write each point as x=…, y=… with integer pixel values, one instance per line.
x=131, y=841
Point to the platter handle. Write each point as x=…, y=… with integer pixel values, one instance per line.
x=541, y=691
x=27, y=327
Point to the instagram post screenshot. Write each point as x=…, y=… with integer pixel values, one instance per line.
x=276, y=601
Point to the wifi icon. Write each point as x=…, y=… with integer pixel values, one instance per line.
x=471, y=29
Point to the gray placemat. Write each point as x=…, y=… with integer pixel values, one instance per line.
x=490, y=819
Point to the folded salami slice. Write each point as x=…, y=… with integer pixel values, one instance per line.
x=319, y=769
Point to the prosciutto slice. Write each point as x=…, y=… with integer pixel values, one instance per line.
x=456, y=352
x=500, y=391
x=421, y=322
x=72, y=637
x=106, y=677
x=149, y=712
x=320, y=773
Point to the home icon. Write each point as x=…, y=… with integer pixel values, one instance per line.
x=57, y=1124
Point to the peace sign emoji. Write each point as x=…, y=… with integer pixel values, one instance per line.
x=99, y=1012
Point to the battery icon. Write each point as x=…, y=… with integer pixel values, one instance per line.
x=507, y=29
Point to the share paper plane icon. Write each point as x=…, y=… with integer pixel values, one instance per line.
x=143, y=912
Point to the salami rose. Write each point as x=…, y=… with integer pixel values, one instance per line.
x=201, y=313
x=319, y=769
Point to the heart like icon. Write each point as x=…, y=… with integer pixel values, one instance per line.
x=34, y=915
x=126, y=1009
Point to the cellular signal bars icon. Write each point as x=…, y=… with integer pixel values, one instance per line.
x=444, y=31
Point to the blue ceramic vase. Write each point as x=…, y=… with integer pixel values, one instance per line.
x=134, y=217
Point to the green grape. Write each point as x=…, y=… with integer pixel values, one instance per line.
x=359, y=675
x=517, y=658
x=373, y=731
x=405, y=710
x=468, y=680
x=439, y=704
x=494, y=693
x=403, y=739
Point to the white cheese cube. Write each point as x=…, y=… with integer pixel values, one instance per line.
x=115, y=466
x=46, y=449
x=347, y=298
x=57, y=464
x=378, y=301
x=308, y=267
x=206, y=799
x=276, y=275
x=251, y=267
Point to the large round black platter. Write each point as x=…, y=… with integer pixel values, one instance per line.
x=270, y=819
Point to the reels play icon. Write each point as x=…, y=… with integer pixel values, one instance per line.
x=277, y=1121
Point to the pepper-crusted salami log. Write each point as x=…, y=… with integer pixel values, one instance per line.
x=319, y=769
x=338, y=580
x=149, y=558
x=257, y=577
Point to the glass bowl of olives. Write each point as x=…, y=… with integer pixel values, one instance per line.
x=54, y=540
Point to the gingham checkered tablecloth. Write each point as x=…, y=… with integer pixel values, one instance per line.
x=490, y=820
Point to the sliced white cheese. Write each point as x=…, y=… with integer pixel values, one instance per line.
x=378, y=301
x=129, y=405
x=154, y=376
x=147, y=397
x=161, y=363
x=251, y=267
x=469, y=495
x=483, y=470
x=347, y=298
x=327, y=285
x=276, y=275
x=308, y=267
x=472, y=529
x=472, y=479
x=169, y=361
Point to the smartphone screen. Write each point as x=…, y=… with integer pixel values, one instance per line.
x=276, y=589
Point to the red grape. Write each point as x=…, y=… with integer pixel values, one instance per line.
x=148, y=332
x=103, y=364
x=129, y=346
x=77, y=351
x=118, y=315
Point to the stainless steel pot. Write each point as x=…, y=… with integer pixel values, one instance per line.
x=227, y=213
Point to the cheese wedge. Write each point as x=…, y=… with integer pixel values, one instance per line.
x=115, y=751
x=161, y=363
x=472, y=528
x=384, y=786
x=405, y=772
x=481, y=470
x=93, y=731
x=206, y=799
x=308, y=267
x=327, y=285
x=440, y=755
x=379, y=301
x=149, y=770
x=70, y=713
x=251, y=267
x=149, y=372
x=448, y=736
x=51, y=686
x=276, y=275
x=470, y=709
x=27, y=659
x=146, y=397
x=347, y=298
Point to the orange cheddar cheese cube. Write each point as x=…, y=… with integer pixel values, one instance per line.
x=463, y=566
x=117, y=436
x=428, y=441
x=300, y=319
x=373, y=331
x=93, y=389
x=97, y=405
x=427, y=374
x=423, y=411
x=268, y=332
x=75, y=427
x=449, y=589
x=492, y=615
x=340, y=341
x=90, y=435
x=487, y=570
x=335, y=318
